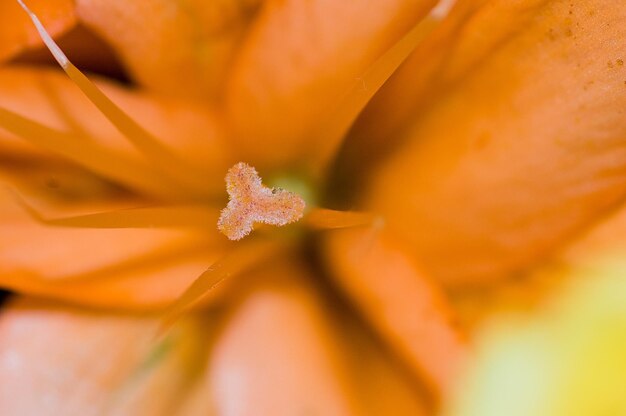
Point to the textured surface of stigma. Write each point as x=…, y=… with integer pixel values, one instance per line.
x=250, y=202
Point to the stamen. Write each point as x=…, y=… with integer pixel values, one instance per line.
x=189, y=216
x=236, y=261
x=340, y=118
x=171, y=166
x=327, y=219
x=45, y=36
x=91, y=155
x=251, y=202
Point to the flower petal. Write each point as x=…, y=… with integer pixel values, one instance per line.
x=70, y=361
x=299, y=60
x=177, y=47
x=190, y=131
x=522, y=144
x=400, y=302
x=273, y=341
x=598, y=248
x=276, y=354
x=382, y=384
x=17, y=31
x=120, y=268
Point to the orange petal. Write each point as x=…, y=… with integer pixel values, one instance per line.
x=377, y=384
x=605, y=239
x=419, y=79
x=122, y=268
x=378, y=127
x=593, y=252
x=190, y=131
x=236, y=261
x=73, y=362
x=298, y=62
x=276, y=355
x=381, y=382
x=17, y=31
x=177, y=47
x=162, y=159
x=92, y=157
x=87, y=51
x=521, y=147
x=399, y=301
x=61, y=186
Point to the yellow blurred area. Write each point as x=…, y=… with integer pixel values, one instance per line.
x=568, y=360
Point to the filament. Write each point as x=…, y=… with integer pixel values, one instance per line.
x=159, y=155
x=235, y=261
x=191, y=217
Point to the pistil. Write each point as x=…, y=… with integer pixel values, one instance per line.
x=251, y=202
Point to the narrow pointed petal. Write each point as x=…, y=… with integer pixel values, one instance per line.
x=299, y=60
x=520, y=146
x=400, y=302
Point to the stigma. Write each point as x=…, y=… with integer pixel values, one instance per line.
x=250, y=203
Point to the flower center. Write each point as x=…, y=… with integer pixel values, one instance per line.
x=251, y=202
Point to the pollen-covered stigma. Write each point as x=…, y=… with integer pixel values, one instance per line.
x=251, y=202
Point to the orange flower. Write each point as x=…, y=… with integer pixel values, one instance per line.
x=485, y=153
